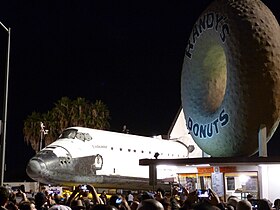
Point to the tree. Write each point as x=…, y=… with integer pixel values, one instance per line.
x=31, y=130
x=66, y=113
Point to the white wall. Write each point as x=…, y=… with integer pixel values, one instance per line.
x=269, y=176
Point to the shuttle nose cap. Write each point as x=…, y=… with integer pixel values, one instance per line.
x=33, y=169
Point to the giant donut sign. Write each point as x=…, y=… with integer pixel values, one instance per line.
x=230, y=82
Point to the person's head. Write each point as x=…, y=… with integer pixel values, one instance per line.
x=229, y=207
x=77, y=205
x=40, y=199
x=59, y=207
x=161, y=191
x=56, y=198
x=276, y=203
x=205, y=206
x=27, y=205
x=263, y=204
x=146, y=195
x=244, y=205
x=4, y=195
x=104, y=207
x=232, y=196
x=250, y=197
x=150, y=204
x=115, y=200
x=232, y=201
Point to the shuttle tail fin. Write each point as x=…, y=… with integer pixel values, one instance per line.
x=179, y=131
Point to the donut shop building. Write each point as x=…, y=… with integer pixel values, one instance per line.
x=239, y=176
x=258, y=176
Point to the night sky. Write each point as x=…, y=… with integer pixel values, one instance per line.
x=128, y=54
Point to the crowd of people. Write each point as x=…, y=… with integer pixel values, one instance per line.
x=88, y=199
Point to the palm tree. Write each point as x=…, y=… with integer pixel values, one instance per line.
x=66, y=113
x=31, y=130
x=100, y=110
x=61, y=113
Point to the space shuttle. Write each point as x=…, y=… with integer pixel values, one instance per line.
x=109, y=159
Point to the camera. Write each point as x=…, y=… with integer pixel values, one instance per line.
x=202, y=193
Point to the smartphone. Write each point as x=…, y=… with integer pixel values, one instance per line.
x=16, y=188
x=83, y=187
x=202, y=193
x=255, y=204
x=118, y=201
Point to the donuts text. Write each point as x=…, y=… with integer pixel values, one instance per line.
x=208, y=130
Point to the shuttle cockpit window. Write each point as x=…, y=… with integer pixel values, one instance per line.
x=61, y=152
x=68, y=134
x=73, y=133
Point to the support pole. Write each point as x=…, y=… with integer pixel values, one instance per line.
x=5, y=109
x=262, y=141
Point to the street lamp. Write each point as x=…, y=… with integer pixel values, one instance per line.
x=5, y=106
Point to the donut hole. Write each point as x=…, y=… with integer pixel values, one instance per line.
x=215, y=81
x=210, y=75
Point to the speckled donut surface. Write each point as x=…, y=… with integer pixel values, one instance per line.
x=230, y=82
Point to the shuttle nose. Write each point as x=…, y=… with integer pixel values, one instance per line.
x=34, y=168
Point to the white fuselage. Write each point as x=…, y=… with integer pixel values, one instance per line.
x=84, y=152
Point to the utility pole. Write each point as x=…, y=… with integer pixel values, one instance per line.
x=5, y=108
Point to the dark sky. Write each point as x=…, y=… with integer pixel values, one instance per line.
x=128, y=54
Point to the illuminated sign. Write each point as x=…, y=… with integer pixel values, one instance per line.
x=207, y=21
x=209, y=129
